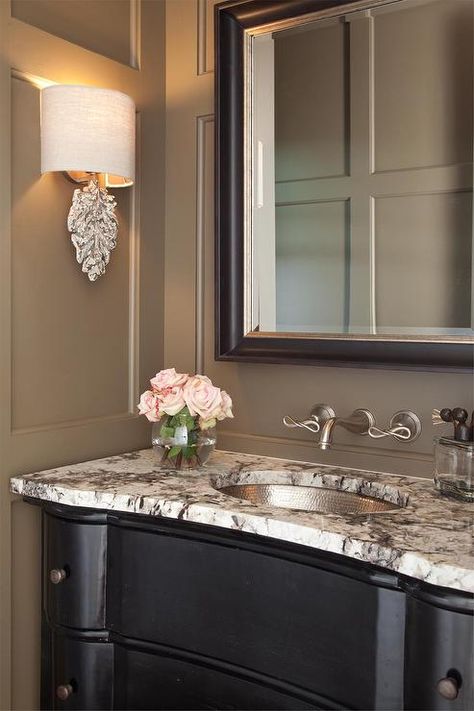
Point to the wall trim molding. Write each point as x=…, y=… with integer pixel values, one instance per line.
x=202, y=39
x=67, y=424
x=41, y=44
x=136, y=34
x=201, y=123
x=338, y=448
x=5, y=368
x=37, y=82
x=134, y=282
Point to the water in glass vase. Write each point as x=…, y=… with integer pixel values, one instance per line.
x=181, y=443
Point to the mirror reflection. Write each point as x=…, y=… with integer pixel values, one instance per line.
x=361, y=131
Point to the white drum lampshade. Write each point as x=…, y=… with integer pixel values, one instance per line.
x=89, y=132
x=87, y=129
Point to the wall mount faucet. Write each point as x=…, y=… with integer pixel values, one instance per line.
x=404, y=426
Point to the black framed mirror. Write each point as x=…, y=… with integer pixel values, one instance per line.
x=344, y=178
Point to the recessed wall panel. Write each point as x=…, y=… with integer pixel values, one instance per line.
x=70, y=337
x=102, y=26
x=311, y=102
x=423, y=69
x=423, y=252
x=312, y=266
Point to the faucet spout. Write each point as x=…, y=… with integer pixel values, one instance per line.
x=358, y=423
x=325, y=439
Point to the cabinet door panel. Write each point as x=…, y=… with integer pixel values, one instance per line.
x=439, y=644
x=336, y=636
x=87, y=667
x=78, y=549
x=150, y=682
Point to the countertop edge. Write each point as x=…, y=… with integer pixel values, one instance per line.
x=409, y=563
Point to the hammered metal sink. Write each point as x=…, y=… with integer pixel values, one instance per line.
x=309, y=498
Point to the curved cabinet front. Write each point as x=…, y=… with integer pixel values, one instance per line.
x=75, y=571
x=150, y=680
x=300, y=623
x=439, y=658
x=158, y=614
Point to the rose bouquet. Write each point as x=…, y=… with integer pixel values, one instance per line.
x=184, y=409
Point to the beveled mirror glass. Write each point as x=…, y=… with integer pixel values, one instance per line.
x=357, y=173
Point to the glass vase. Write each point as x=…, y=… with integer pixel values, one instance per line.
x=181, y=443
x=454, y=468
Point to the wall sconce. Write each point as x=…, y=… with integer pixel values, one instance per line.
x=89, y=134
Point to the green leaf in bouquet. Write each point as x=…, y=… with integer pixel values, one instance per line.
x=193, y=437
x=174, y=451
x=190, y=423
x=167, y=432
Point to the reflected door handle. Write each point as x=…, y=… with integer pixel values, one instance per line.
x=259, y=174
x=448, y=688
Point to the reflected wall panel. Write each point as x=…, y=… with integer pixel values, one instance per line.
x=423, y=250
x=422, y=117
x=312, y=246
x=311, y=102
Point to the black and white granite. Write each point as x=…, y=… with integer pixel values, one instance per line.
x=429, y=537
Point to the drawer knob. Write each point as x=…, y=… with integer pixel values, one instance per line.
x=64, y=691
x=57, y=575
x=448, y=688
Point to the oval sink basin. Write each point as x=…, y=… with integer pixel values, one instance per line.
x=309, y=498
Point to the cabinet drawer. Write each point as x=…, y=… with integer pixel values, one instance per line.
x=152, y=682
x=81, y=675
x=74, y=557
x=335, y=636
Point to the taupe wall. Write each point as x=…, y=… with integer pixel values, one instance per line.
x=262, y=393
x=74, y=355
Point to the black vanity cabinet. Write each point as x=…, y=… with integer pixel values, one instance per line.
x=143, y=613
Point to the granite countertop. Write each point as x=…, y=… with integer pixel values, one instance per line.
x=430, y=537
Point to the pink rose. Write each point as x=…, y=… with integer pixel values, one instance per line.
x=202, y=398
x=149, y=406
x=172, y=401
x=172, y=391
x=168, y=378
x=226, y=406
